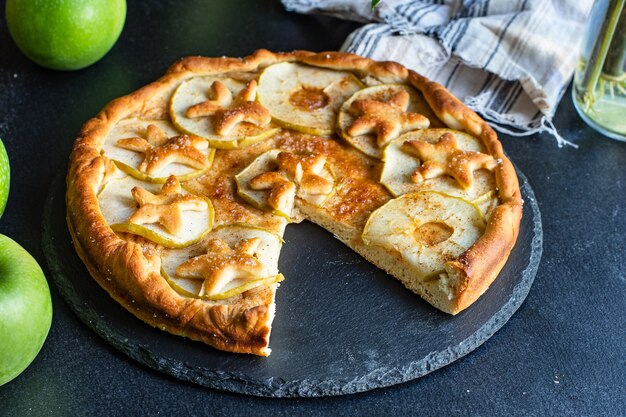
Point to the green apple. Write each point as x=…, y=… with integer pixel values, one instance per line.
x=65, y=34
x=25, y=309
x=5, y=177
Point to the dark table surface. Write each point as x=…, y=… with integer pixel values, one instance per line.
x=562, y=353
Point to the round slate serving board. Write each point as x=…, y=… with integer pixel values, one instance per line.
x=342, y=325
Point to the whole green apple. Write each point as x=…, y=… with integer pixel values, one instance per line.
x=25, y=309
x=65, y=34
x=5, y=177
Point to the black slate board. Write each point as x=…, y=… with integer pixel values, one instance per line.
x=342, y=325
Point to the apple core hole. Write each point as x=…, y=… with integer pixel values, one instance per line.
x=433, y=233
x=309, y=98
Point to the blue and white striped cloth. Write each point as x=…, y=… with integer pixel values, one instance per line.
x=509, y=60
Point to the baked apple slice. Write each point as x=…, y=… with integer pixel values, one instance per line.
x=375, y=116
x=279, y=199
x=221, y=110
x=152, y=150
x=401, y=164
x=166, y=214
x=275, y=178
x=427, y=229
x=305, y=98
x=232, y=259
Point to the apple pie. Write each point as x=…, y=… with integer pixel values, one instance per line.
x=179, y=193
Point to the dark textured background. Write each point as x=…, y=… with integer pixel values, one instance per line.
x=563, y=353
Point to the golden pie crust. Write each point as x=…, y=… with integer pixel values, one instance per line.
x=128, y=266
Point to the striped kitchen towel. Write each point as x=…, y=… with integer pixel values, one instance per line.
x=509, y=60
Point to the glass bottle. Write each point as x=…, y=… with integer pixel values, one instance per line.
x=599, y=91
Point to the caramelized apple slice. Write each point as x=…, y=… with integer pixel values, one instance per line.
x=427, y=229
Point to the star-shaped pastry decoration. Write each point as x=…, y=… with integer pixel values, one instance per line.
x=305, y=170
x=282, y=191
x=166, y=207
x=293, y=169
x=223, y=264
x=160, y=151
x=221, y=97
x=387, y=119
x=445, y=158
x=229, y=111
